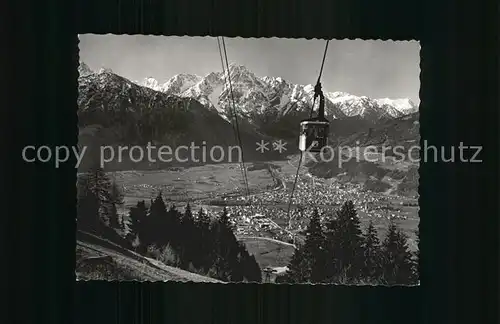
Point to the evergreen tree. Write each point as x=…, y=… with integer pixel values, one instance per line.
x=203, y=222
x=389, y=253
x=172, y=225
x=314, y=247
x=88, y=218
x=206, y=241
x=96, y=206
x=397, y=264
x=114, y=218
x=98, y=183
x=253, y=272
x=220, y=269
x=116, y=194
x=123, y=225
x=137, y=216
x=226, y=249
x=156, y=228
x=224, y=219
x=416, y=267
x=245, y=267
x=309, y=260
x=299, y=268
x=188, y=239
x=332, y=265
x=283, y=278
x=188, y=224
x=115, y=198
x=372, y=255
x=349, y=251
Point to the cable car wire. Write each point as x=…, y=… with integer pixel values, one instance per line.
x=320, y=73
x=293, y=189
x=236, y=117
x=302, y=153
x=319, y=78
x=238, y=136
x=225, y=80
x=323, y=62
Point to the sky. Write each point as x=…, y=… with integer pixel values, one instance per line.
x=376, y=69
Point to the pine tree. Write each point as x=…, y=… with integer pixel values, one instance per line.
x=220, y=269
x=123, y=225
x=137, y=216
x=226, y=249
x=309, y=260
x=416, y=266
x=188, y=239
x=172, y=225
x=116, y=194
x=206, y=241
x=96, y=207
x=350, y=242
x=88, y=218
x=397, y=264
x=252, y=269
x=332, y=265
x=114, y=218
x=372, y=255
x=188, y=224
x=224, y=219
x=203, y=222
x=156, y=228
x=99, y=184
x=115, y=198
x=244, y=267
x=314, y=247
x=389, y=250
x=406, y=273
x=299, y=268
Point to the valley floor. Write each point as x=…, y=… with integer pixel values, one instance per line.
x=213, y=187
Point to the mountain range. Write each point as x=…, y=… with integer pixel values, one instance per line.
x=114, y=110
x=264, y=95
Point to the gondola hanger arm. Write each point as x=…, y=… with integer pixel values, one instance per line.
x=317, y=89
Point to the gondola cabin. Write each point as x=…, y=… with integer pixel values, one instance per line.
x=313, y=135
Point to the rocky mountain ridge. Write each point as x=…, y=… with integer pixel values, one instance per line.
x=113, y=111
x=273, y=95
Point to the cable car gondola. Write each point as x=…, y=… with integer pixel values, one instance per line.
x=314, y=132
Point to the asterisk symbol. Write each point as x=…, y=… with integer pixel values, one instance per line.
x=279, y=146
x=262, y=146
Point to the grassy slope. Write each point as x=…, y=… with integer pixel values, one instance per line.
x=125, y=264
x=268, y=252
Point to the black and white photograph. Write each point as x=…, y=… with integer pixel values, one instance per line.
x=252, y=160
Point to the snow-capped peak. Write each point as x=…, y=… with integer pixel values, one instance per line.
x=180, y=83
x=84, y=69
x=254, y=94
x=150, y=82
x=237, y=67
x=406, y=106
x=105, y=70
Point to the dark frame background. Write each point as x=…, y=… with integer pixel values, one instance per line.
x=459, y=208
